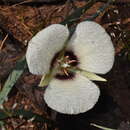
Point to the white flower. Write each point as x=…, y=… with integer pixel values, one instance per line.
x=90, y=48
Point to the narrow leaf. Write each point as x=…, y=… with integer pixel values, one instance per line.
x=13, y=77
x=101, y=127
x=2, y=125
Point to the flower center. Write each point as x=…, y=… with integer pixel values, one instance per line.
x=65, y=63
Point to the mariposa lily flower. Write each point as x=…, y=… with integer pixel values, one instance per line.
x=76, y=62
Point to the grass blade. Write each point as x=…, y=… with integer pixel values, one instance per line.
x=12, y=79
x=101, y=127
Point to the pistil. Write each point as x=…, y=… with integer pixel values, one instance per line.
x=66, y=62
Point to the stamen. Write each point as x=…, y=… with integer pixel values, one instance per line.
x=64, y=63
x=65, y=72
x=72, y=61
x=67, y=57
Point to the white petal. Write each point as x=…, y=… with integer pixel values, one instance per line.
x=43, y=46
x=72, y=96
x=93, y=46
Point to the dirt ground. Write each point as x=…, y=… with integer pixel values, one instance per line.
x=18, y=23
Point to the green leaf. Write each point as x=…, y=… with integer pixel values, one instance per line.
x=13, y=77
x=2, y=125
x=3, y=115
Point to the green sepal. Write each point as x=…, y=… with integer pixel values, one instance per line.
x=92, y=76
x=87, y=74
